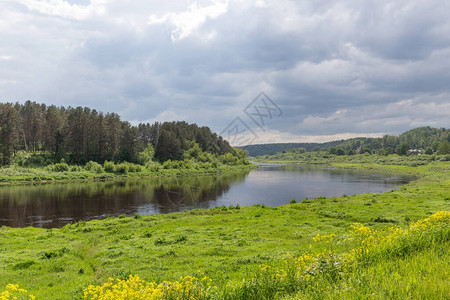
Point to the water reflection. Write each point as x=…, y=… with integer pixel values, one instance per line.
x=57, y=204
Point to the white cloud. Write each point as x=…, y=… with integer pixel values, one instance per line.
x=261, y=3
x=9, y=82
x=187, y=22
x=276, y=136
x=64, y=9
x=167, y=115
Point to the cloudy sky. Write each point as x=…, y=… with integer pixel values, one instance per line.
x=332, y=69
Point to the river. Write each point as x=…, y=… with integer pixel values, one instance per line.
x=54, y=205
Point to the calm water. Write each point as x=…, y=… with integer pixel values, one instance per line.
x=57, y=204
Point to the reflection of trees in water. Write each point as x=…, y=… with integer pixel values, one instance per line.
x=345, y=174
x=20, y=205
x=313, y=168
x=193, y=190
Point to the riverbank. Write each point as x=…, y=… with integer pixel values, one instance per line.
x=235, y=246
x=324, y=158
x=15, y=175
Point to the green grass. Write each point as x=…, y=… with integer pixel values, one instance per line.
x=420, y=275
x=330, y=159
x=230, y=244
x=15, y=175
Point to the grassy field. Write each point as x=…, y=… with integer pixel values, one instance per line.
x=310, y=249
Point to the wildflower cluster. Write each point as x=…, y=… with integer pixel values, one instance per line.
x=366, y=244
x=291, y=274
x=327, y=238
x=135, y=288
x=436, y=220
x=14, y=292
x=306, y=266
x=370, y=244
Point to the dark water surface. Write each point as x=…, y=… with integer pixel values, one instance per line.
x=55, y=205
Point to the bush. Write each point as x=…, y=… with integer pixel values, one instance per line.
x=97, y=169
x=109, y=166
x=443, y=157
x=121, y=168
x=133, y=167
x=75, y=168
x=60, y=167
x=167, y=164
x=154, y=167
x=228, y=159
x=147, y=155
x=93, y=167
x=24, y=159
x=21, y=159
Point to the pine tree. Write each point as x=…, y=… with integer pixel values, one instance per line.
x=9, y=137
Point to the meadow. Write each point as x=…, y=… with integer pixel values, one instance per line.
x=391, y=245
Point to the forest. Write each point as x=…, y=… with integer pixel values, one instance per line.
x=79, y=135
x=425, y=140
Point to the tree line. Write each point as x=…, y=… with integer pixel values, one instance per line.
x=82, y=134
x=428, y=139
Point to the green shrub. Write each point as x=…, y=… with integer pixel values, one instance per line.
x=60, y=167
x=75, y=168
x=153, y=167
x=228, y=159
x=21, y=159
x=24, y=159
x=93, y=167
x=133, y=167
x=98, y=169
x=109, y=166
x=167, y=164
x=121, y=168
x=147, y=155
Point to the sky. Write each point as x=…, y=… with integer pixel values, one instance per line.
x=255, y=71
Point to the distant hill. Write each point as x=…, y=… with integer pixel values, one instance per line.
x=270, y=149
x=418, y=138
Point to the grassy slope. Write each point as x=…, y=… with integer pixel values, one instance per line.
x=421, y=275
x=226, y=244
